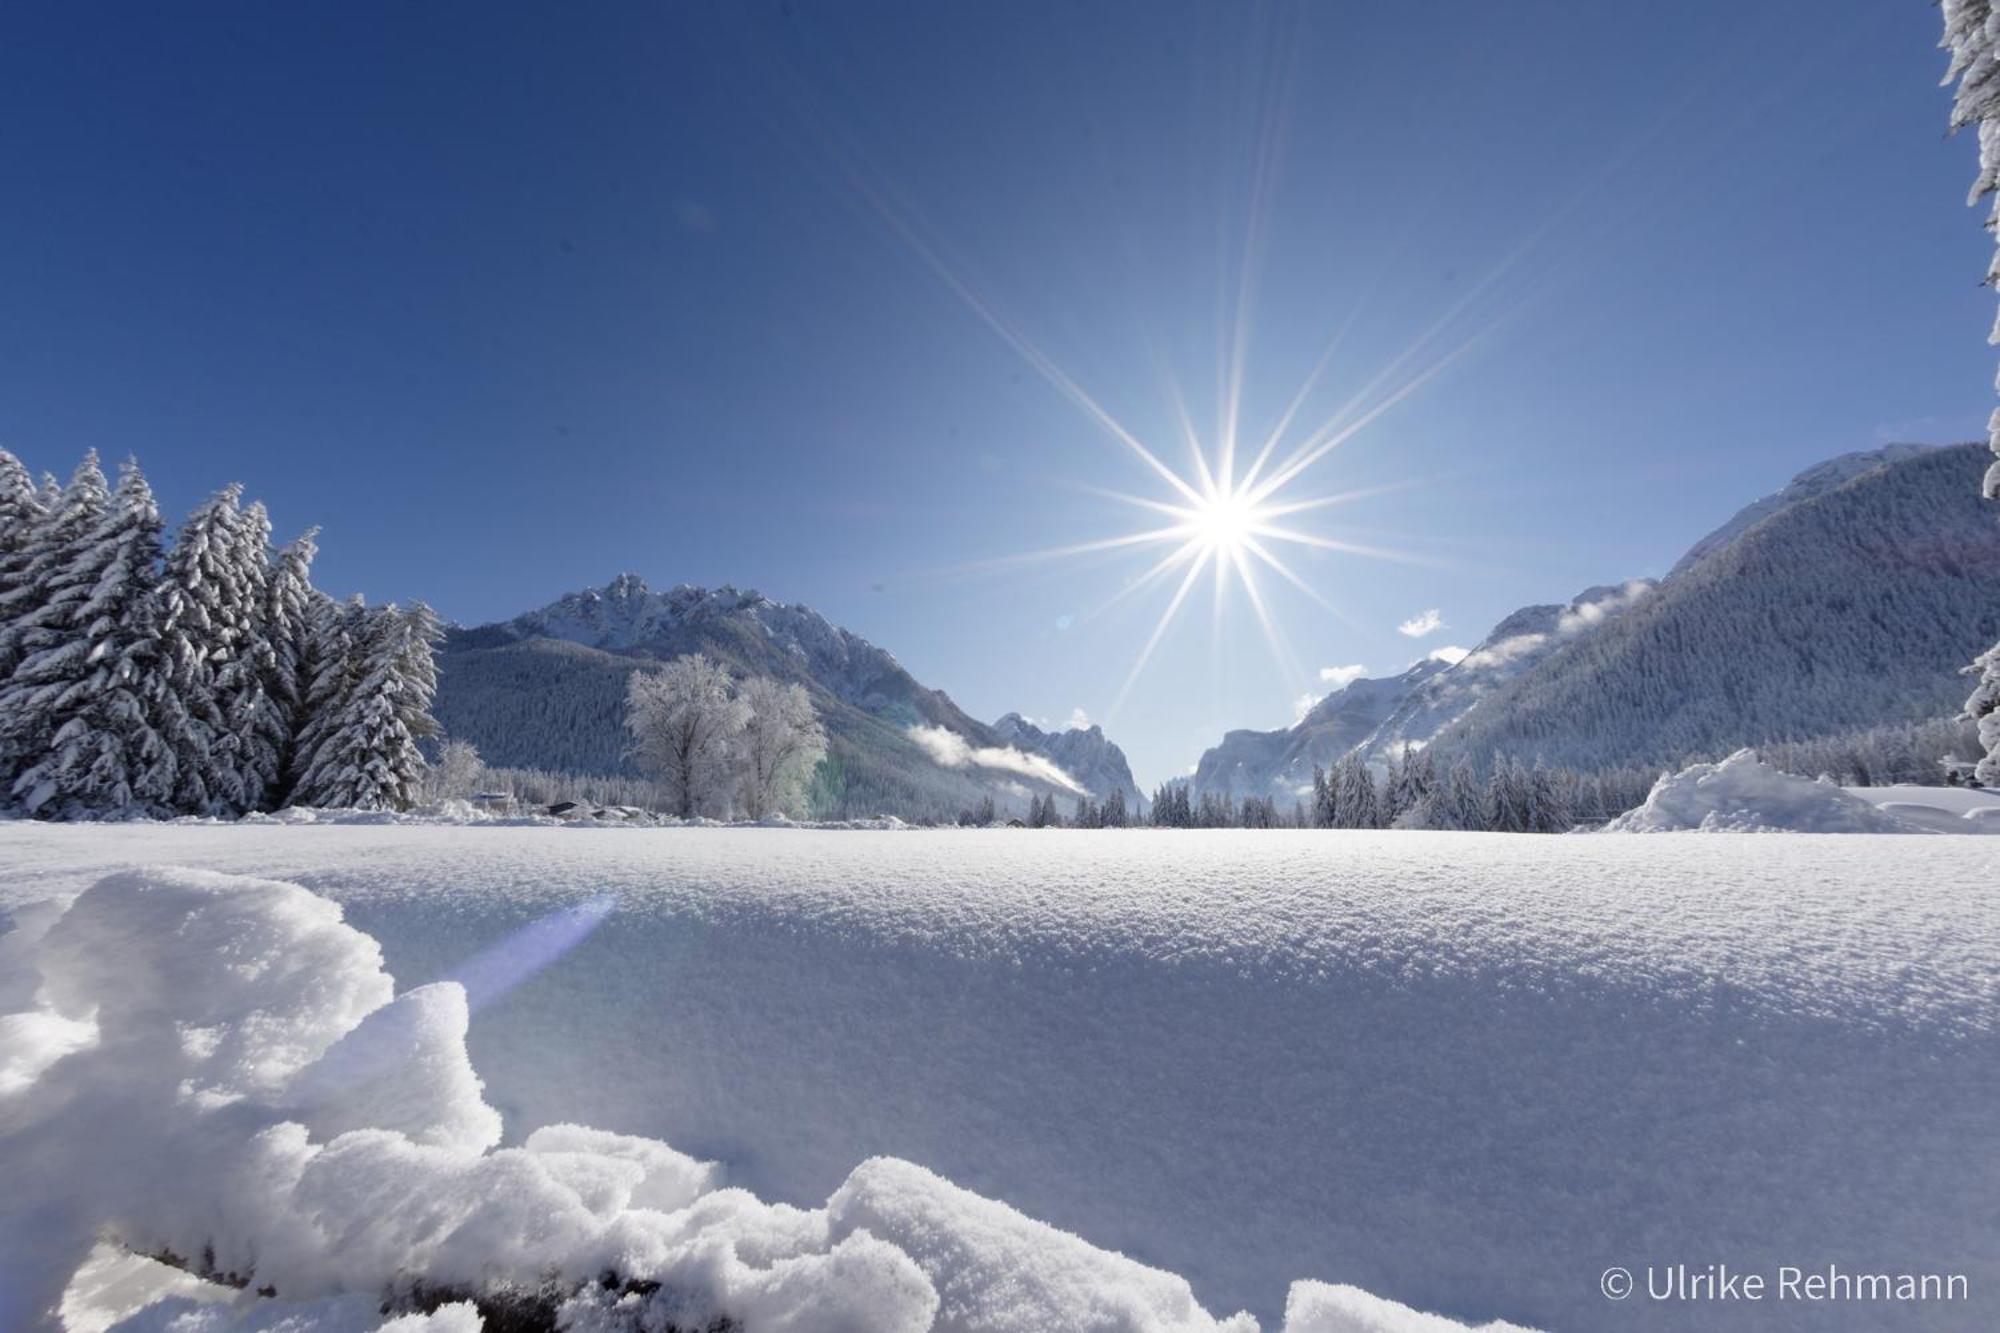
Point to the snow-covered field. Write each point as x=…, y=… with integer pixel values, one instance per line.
x=1466, y=1072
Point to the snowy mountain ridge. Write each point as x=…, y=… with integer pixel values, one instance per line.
x=546, y=690
x=626, y=616
x=1501, y=698
x=1855, y=604
x=1085, y=753
x=1815, y=481
x=1380, y=716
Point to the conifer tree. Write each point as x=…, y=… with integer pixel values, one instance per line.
x=1972, y=36
x=100, y=688
x=370, y=758
x=203, y=607
x=289, y=628
x=1322, y=799
x=330, y=668
x=20, y=521
x=48, y=602
x=1355, y=804
x=256, y=733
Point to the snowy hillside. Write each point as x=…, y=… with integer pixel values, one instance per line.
x=1516, y=644
x=1874, y=576
x=1856, y=606
x=1815, y=481
x=1464, y=1072
x=1380, y=717
x=1085, y=753
x=1280, y=763
x=547, y=690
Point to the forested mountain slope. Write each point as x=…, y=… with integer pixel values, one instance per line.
x=1854, y=606
x=1280, y=764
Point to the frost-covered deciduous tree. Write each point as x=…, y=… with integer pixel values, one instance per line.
x=1972, y=35
x=782, y=743
x=686, y=721
x=455, y=772
x=101, y=688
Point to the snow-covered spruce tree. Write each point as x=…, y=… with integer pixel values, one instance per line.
x=1355, y=804
x=46, y=609
x=20, y=519
x=783, y=742
x=685, y=721
x=369, y=757
x=101, y=689
x=255, y=730
x=289, y=609
x=329, y=669
x=204, y=609
x=1972, y=35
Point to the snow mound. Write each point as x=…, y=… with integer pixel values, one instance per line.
x=1318, y=1307
x=251, y=1103
x=1940, y=809
x=1742, y=794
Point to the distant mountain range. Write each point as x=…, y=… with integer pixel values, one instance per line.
x=547, y=690
x=1849, y=599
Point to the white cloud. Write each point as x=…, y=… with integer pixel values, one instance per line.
x=1575, y=620
x=1303, y=705
x=1506, y=650
x=948, y=749
x=1584, y=615
x=1422, y=623
x=1450, y=653
x=1341, y=676
x=1078, y=719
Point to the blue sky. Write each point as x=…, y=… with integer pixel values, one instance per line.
x=509, y=300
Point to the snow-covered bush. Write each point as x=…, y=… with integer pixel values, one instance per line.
x=216, y=1071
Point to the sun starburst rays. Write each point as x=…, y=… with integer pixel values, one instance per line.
x=1232, y=528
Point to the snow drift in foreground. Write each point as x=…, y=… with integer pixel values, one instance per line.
x=1468, y=1072
x=217, y=1070
x=1742, y=794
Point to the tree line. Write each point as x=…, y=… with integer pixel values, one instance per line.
x=207, y=676
x=1415, y=792
x=1422, y=789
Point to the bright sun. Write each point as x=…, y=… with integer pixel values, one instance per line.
x=1224, y=523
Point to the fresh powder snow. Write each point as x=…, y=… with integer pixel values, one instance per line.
x=251, y=1105
x=1464, y=1072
